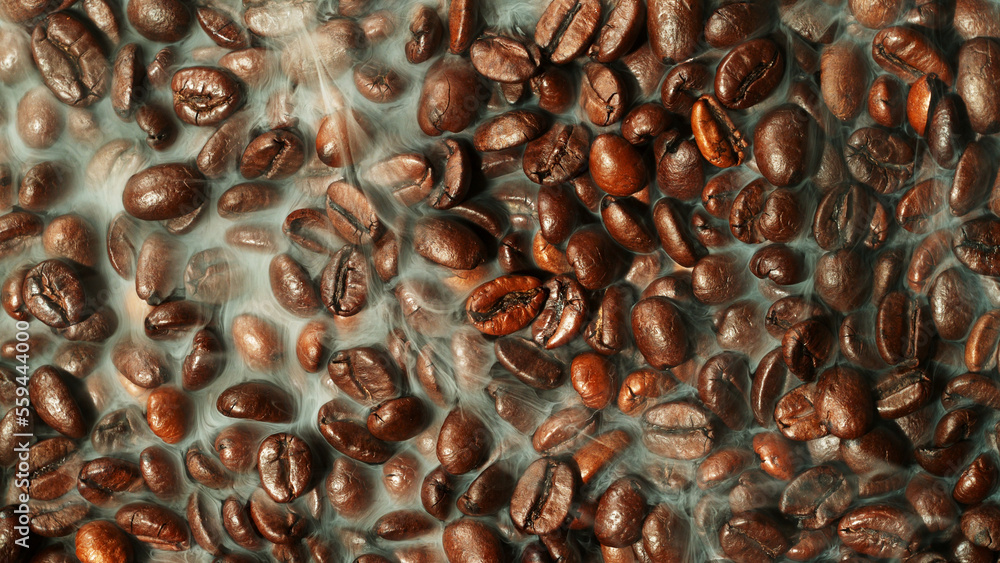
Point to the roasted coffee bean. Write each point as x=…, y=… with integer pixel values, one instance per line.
x=544, y=495
x=778, y=263
x=603, y=94
x=448, y=242
x=981, y=346
x=782, y=162
x=55, y=404
x=558, y=155
x=880, y=158
x=886, y=101
x=467, y=537
x=222, y=28
x=722, y=387
x=623, y=26
x=680, y=168
x=168, y=413
x=100, y=541
x=349, y=488
x=352, y=214
x=206, y=95
x=607, y=332
x=256, y=400
x=660, y=332
x=717, y=279
x=844, y=402
x=425, y=34
x=678, y=430
x=806, y=347
x=276, y=522
x=206, y=469
x=529, y=363
x=274, y=155
x=43, y=185
x=54, y=293
x=673, y=29
x=102, y=479
x=975, y=245
x=594, y=379
x=464, y=443
x=70, y=59
x=908, y=54
x=817, y=497
x=749, y=73
x=616, y=166
x=878, y=531
x=902, y=391
x=796, y=414
x=18, y=229
x=753, y=537
x=258, y=342
x=59, y=520
x=903, y=329
x=506, y=304
x=155, y=526
x=620, y=513
x=450, y=97
x=164, y=191
x=566, y=28
x=160, y=471
x=719, y=141
x=52, y=468
x=564, y=429
x=504, y=58
x=397, y=420
x=844, y=79
x=292, y=287
x=285, y=465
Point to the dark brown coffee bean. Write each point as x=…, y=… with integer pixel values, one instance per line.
x=222, y=28
x=155, y=526
x=620, y=513
x=903, y=330
x=908, y=54
x=975, y=245
x=274, y=155
x=902, y=391
x=464, y=443
x=817, y=497
x=563, y=315
x=844, y=79
x=544, y=495
x=55, y=404
x=277, y=523
x=880, y=158
x=753, y=537
x=160, y=470
x=878, y=530
x=886, y=101
x=352, y=214
x=504, y=58
x=344, y=282
x=680, y=168
x=806, y=347
x=258, y=342
x=285, y=465
x=781, y=161
x=947, y=131
x=594, y=379
x=349, y=488
x=467, y=537
x=722, y=387
x=505, y=305
x=660, y=332
x=607, y=332
x=426, y=30
x=367, y=375
x=256, y=400
x=564, y=429
x=678, y=430
x=44, y=185
x=566, y=28
x=205, y=95
x=102, y=479
x=603, y=94
x=717, y=279
x=977, y=70
x=164, y=191
x=292, y=287
x=222, y=149
x=128, y=81
x=71, y=60
x=749, y=73
x=168, y=413
x=450, y=97
x=558, y=155
x=673, y=29
x=18, y=229
x=529, y=363
x=979, y=523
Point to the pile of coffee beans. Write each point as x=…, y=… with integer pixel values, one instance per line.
x=379, y=281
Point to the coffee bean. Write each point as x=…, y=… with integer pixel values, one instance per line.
x=749, y=73
x=718, y=138
x=467, y=537
x=205, y=469
x=894, y=529
x=620, y=514
x=425, y=34
x=100, y=541
x=349, y=488
x=71, y=60
x=464, y=443
x=222, y=28
x=558, y=155
x=782, y=162
x=678, y=430
x=285, y=464
x=205, y=95
x=908, y=54
x=902, y=391
x=680, y=168
x=256, y=400
x=673, y=29
x=276, y=522
x=543, y=496
x=352, y=214
x=164, y=191
x=275, y=155
x=566, y=28
x=154, y=526
x=450, y=97
x=505, y=305
x=102, y=479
